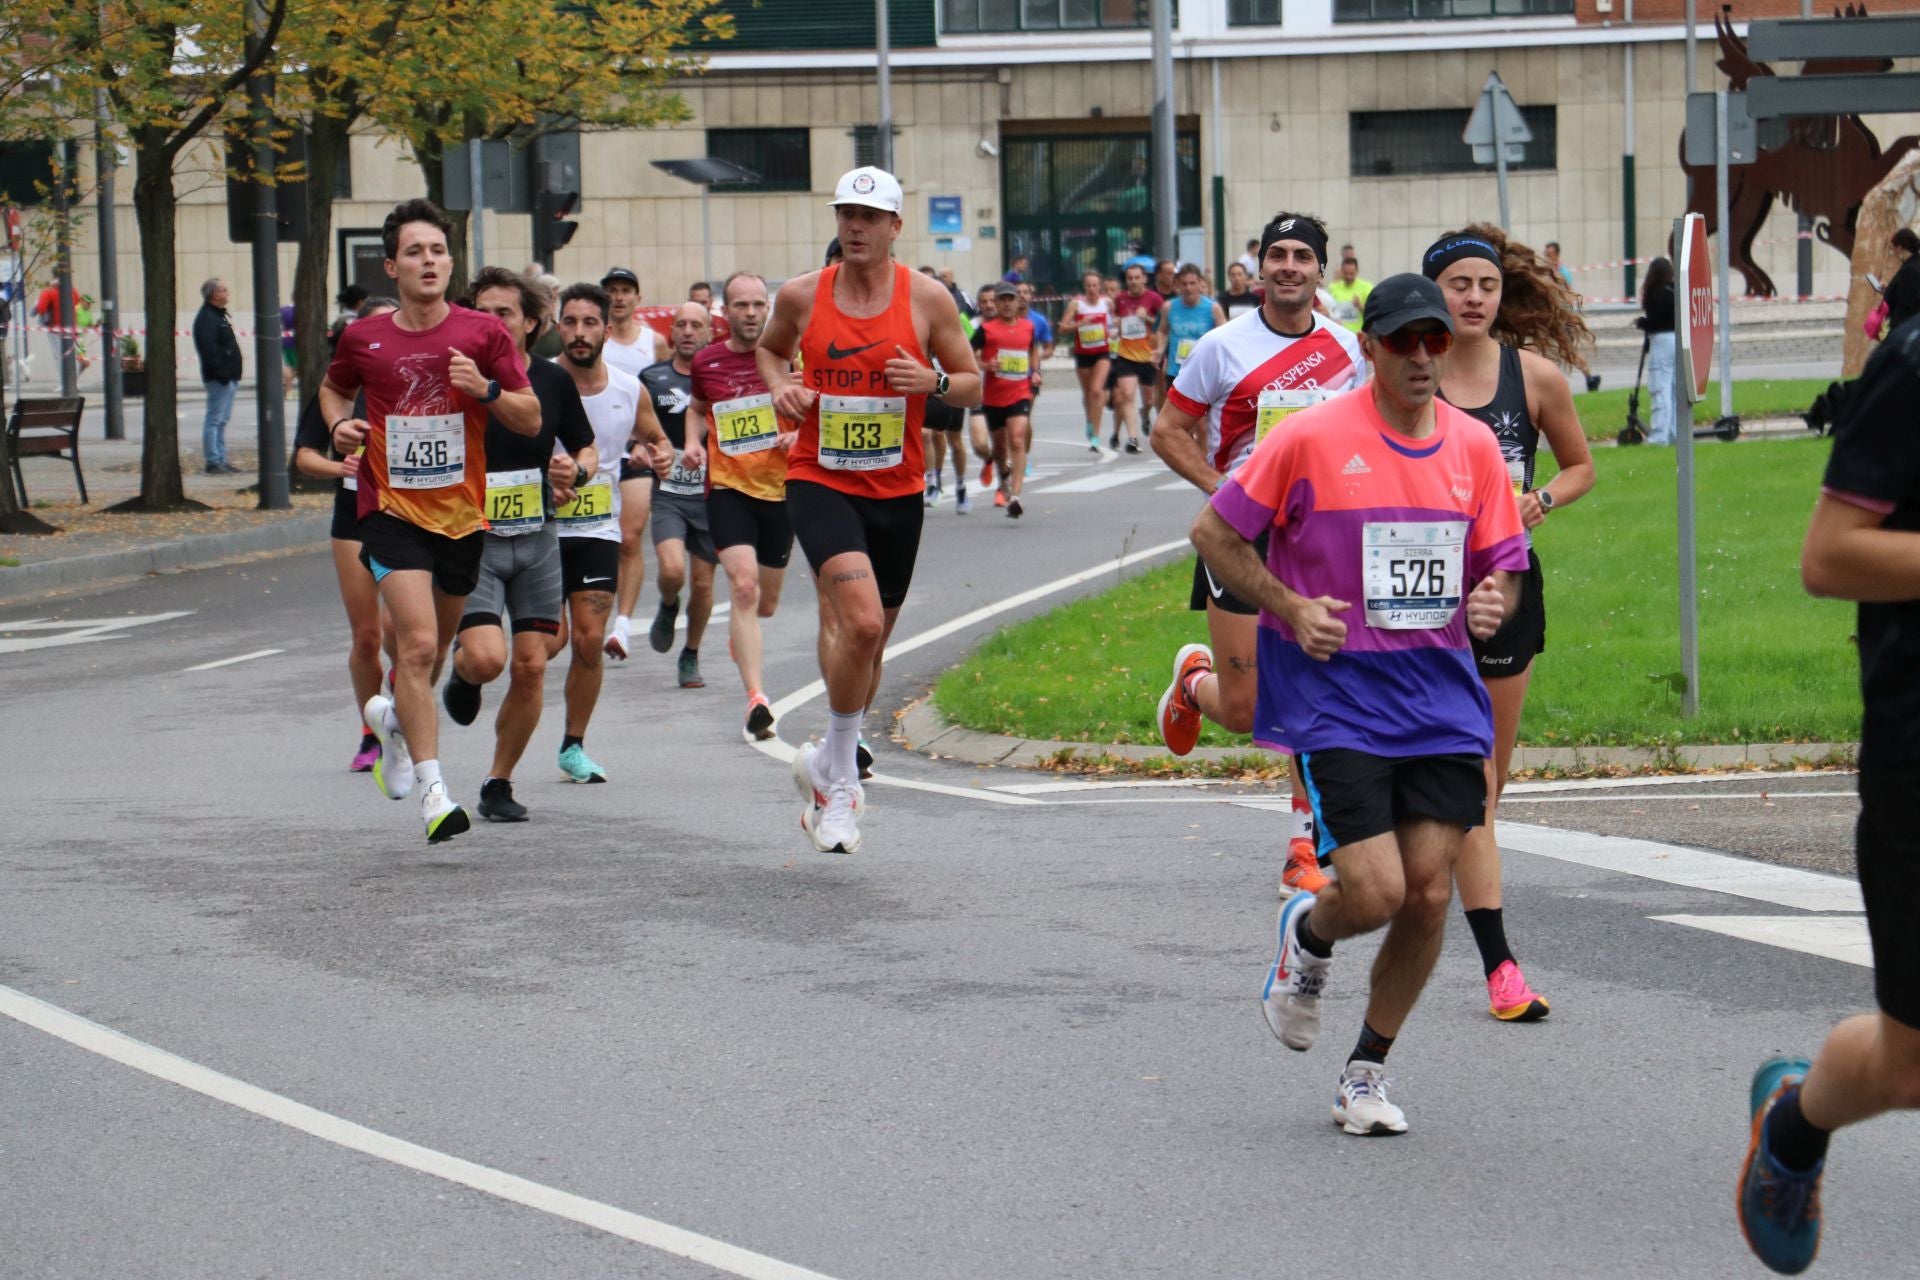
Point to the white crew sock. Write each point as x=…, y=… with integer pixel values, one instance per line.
x=426, y=773
x=1299, y=824
x=843, y=737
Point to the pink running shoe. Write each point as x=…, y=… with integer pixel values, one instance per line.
x=363, y=758
x=1509, y=997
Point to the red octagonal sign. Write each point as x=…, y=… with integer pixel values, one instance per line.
x=1695, y=272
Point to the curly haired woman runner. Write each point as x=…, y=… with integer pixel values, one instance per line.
x=1515, y=323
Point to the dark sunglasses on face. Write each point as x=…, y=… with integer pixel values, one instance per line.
x=1402, y=342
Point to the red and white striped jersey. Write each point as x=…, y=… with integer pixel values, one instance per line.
x=1230, y=366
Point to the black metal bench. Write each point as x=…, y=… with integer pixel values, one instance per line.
x=48, y=427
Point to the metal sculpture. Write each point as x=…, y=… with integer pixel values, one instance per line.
x=1819, y=166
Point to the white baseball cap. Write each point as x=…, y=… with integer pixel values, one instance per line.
x=874, y=188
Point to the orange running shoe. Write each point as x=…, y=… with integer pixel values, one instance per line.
x=986, y=474
x=1509, y=997
x=999, y=497
x=1302, y=873
x=1180, y=718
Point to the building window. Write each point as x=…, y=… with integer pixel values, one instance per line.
x=26, y=172
x=1410, y=10
x=780, y=156
x=968, y=17
x=1396, y=144
x=1253, y=13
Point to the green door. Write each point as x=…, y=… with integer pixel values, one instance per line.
x=1081, y=202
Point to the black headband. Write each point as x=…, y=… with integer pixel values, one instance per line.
x=1445, y=252
x=1301, y=229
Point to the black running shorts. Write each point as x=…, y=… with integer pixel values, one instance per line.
x=998, y=415
x=885, y=530
x=589, y=564
x=1087, y=360
x=1140, y=369
x=737, y=519
x=346, y=515
x=1357, y=796
x=1206, y=589
x=1511, y=649
x=388, y=543
x=942, y=416
x=1887, y=852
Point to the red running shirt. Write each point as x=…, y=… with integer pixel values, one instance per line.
x=861, y=436
x=1006, y=351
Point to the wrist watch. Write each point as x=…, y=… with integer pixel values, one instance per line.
x=1546, y=498
x=493, y=391
x=940, y=383
x=580, y=476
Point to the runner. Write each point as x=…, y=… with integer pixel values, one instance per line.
x=1240, y=295
x=1511, y=321
x=1182, y=322
x=1240, y=381
x=746, y=481
x=1090, y=318
x=1861, y=545
x=867, y=331
x=589, y=524
x=520, y=568
x=631, y=347
x=1043, y=330
x=1378, y=699
x=1349, y=293
x=680, y=505
x=1010, y=364
x=978, y=430
x=1136, y=311
x=370, y=628
x=431, y=373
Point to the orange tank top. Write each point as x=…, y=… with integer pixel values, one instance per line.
x=861, y=436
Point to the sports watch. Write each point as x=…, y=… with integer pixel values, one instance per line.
x=1546, y=498
x=940, y=383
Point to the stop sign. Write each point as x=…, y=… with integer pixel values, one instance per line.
x=1695, y=274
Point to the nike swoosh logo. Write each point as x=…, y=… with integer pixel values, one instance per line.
x=585, y=580
x=841, y=353
x=1213, y=588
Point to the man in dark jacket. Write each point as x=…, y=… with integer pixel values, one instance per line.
x=219, y=353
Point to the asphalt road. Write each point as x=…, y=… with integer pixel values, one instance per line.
x=1016, y=1036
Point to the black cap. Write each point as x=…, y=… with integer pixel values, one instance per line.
x=620, y=275
x=1399, y=300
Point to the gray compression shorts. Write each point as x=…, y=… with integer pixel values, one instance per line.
x=683, y=518
x=518, y=576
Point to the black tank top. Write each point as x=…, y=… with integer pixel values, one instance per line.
x=1507, y=415
x=672, y=392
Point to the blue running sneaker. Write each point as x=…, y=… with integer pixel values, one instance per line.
x=1779, y=1208
x=578, y=768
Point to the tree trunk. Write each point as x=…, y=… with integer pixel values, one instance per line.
x=13, y=517
x=312, y=300
x=161, y=488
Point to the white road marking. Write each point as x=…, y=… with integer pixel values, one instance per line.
x=161, y=1065
x=1835, y=937
x=719, y=611
x=1692, y=868
x=75, y=630
x=1665, y=780
x=1176, y=484
x=1101, y=480
x=227, y=662
x=784, y=752
x=1697, y=795
x=1061, y=788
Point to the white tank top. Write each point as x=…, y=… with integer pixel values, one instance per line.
x=611, y=412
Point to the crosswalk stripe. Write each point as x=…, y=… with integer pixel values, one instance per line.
x=1101, y=480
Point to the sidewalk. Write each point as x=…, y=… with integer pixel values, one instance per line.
x=96, y=546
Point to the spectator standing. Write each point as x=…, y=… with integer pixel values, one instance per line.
x=56, y=319
x=1552, y=251
x=1349, y=293
x=220, y=369
x=1248, y=262
x=1903, y=291
x=1239, y=295
x=1656, y=321
x=289, y=352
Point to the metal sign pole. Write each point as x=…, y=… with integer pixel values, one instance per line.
x=1725, y=334
x=1683, y=399
x=1500, y=168
x=883, y=82
x=476, y=204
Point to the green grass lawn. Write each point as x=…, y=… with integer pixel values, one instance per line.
x=1776, y=665
x=1603, y=413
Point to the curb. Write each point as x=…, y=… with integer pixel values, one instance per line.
x=925, y=730
x=302, y=532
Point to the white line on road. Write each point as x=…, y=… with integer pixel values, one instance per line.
x=785, y=752
x=74, y=630
x=1665, y=780
x=1693, y=795
x=1171, y=486
x=228, y=662
x=1835, y=937
x=1100, y=480
x=1692, y=868
x=160, y=1064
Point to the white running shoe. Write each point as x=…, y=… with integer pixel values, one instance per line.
x=444, y=819
x=393, y=771
x=833, y=810
x=1291, y=998
x=618, y=640
x=1362, y=1108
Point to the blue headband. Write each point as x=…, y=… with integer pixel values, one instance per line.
x=1445, y=252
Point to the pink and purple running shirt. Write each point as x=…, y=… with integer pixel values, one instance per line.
x=1401, y=529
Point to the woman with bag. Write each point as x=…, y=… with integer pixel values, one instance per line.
x=1656, y=321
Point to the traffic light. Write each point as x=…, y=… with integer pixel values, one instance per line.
x=552, y=225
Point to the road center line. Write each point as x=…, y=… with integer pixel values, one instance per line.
x=158, y=1063
x=784, y=751
x=228, y=662
x=1687, y=795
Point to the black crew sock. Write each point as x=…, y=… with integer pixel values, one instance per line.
x=570, y=740
x=1796, y=1142
x=368, y=739
x=688, y=651
x=1490, y=935
x=1310, y=942
x=1371, y=1047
